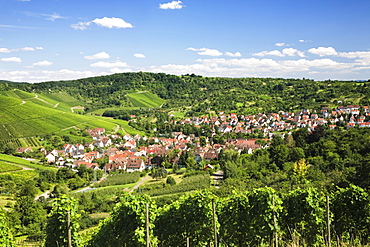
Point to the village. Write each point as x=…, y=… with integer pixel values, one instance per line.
x=127, y=155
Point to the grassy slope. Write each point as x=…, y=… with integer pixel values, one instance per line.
x=22, y=162
x=145, y=100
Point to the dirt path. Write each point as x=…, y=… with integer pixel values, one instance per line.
x=37, y=97
x=77, y=108
x=138, y=183
x=117, y=128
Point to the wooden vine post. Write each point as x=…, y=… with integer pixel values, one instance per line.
x=214, y=223
x=69, y=229
x=328, y=220
x=147, y=225
x=276, y=240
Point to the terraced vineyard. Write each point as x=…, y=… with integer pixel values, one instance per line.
x=145, y=100
x=17, y=94
x=24, y=116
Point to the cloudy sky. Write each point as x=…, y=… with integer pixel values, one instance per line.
x=42, y=40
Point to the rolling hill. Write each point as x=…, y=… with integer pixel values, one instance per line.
x=28, y=110
x=24, y=116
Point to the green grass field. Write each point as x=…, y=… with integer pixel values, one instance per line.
x=23, y=162
x=145, y=100
x=130, y=130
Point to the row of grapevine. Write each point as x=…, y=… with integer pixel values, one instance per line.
x=260, y=217
x=16, y=142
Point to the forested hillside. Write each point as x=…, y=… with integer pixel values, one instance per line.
x=244, y=95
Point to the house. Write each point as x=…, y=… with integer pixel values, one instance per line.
x=24, y=150
x=111, y=167
x=43, y=151
x=106, y=141
x=50, y=158
x=90, y=156
x=135, y=164
x=79, y=163
x=89, y=146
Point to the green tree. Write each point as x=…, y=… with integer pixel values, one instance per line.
x=62, y=226
x=170, y=180
x=29, y=214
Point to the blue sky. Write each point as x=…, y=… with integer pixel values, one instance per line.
x=43, y=40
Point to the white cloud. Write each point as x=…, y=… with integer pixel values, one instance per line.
x=117, y=70
x=12, y=59
x=27, y=49
x=139, y=55
x=116, y=64
x=269, y=53
x=47, y=75
x=53, y=17
x=236, y=54
x=43, y=63
x=281, y=44
x=355, y=54
x=112, y=22
x=4, y=50
x=323, y=51
x=100, y=55
x=285, y=52
x=49, y=17
x=171, y=5
x=206, y=51
x=81, y=25
x=292, y=52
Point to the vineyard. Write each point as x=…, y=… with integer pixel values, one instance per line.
x=260, y=217
x=22, y=121
x=6, y=167
x=17, y=94
x=145, y=100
